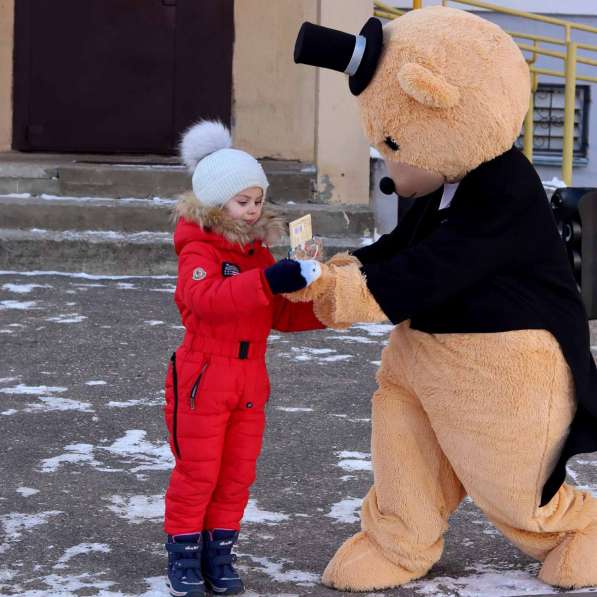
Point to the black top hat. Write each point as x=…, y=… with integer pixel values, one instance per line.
x=355, y=55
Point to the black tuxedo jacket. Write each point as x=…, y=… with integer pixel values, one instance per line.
x=492, y=262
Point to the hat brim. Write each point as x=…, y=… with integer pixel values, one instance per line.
x=373, y=33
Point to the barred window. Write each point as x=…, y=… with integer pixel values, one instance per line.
x=548, y=138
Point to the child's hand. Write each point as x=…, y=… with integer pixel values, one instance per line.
x=288, y=275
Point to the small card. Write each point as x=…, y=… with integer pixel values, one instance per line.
x=302, y=243
x=300, y=231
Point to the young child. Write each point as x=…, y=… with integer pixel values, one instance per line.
x=217, y=385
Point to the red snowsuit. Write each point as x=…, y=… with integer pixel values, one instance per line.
x=217, y=384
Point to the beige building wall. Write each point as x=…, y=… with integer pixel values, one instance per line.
x=6, y=47
x=342, y=152
x=297, y=112
x=273, y=100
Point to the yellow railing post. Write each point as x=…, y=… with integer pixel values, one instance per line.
x=569, y=110
x=529, y=132
x=417, y=4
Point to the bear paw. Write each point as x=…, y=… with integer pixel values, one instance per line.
x=573, y=563
x=359, y=565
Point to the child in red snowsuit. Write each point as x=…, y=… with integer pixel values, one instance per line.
x=228, y=295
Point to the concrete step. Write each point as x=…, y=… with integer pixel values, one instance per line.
x=132, y=176
x=133, y=215
x=110, y=251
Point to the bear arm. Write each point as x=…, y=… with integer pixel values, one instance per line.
x=322, y=286
x=341, y=297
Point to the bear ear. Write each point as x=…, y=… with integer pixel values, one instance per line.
x=426, y=87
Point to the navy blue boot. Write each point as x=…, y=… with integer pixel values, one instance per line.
x=184, y=566
x=217, y=562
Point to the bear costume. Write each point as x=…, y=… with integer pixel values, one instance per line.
x=487, y=385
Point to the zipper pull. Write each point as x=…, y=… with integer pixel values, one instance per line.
x=195, y=387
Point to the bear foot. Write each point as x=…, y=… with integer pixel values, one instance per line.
x=359, y=565
x=573, y=563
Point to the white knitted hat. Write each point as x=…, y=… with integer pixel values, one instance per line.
x=219, y=172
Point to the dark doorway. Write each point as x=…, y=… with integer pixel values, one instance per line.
x=119, y=76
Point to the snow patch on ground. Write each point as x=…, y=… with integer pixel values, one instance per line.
x=67, y=318
x=48, y=403
x=253, y=514
x=133, y=447
x=27, y=491
x=18, y=305
x=486, y=581
x=375, y=329
x=166, y=288
x=74, y=454
x=354, y=461
x=84, y=275
x=71, y=586
x=23, y=288
x=16, y=523
x=275, y=570
x=153, y=322
x=95, y=382
x=353, y=339
x=352, y=420
x=294, y=409
x=346, y=510
x=319, y=355
x=138, y=508
x=8, y=379
x=82, y=548
x=32, y=390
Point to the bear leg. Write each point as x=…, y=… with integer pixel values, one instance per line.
x=573, y=563
x=360, y=565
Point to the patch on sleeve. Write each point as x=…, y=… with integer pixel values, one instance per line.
x=230, y=269
x=199, y=273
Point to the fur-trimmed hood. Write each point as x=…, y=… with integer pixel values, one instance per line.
x=195, y=221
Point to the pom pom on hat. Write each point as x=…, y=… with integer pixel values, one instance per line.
x=201, y=139
x=219, y=171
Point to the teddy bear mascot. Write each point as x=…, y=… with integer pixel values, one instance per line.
x=487, y=385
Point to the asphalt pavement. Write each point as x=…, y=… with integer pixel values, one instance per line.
x=85, y=463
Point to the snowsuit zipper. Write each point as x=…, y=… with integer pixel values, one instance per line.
x=175, y=416
x=195, y=387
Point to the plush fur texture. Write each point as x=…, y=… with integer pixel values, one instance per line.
x=450, y=411
x=451, y=88
x=201, y=139
x=269, y=228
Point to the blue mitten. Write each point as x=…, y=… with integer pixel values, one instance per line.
x=285, y=276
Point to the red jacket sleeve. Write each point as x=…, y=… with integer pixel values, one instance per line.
x=205, y=292
x=294, y=317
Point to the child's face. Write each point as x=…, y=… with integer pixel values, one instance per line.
x=245, y=206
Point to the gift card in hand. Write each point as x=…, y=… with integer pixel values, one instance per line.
x=301, y=231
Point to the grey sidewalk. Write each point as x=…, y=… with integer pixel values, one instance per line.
x=85, y=463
